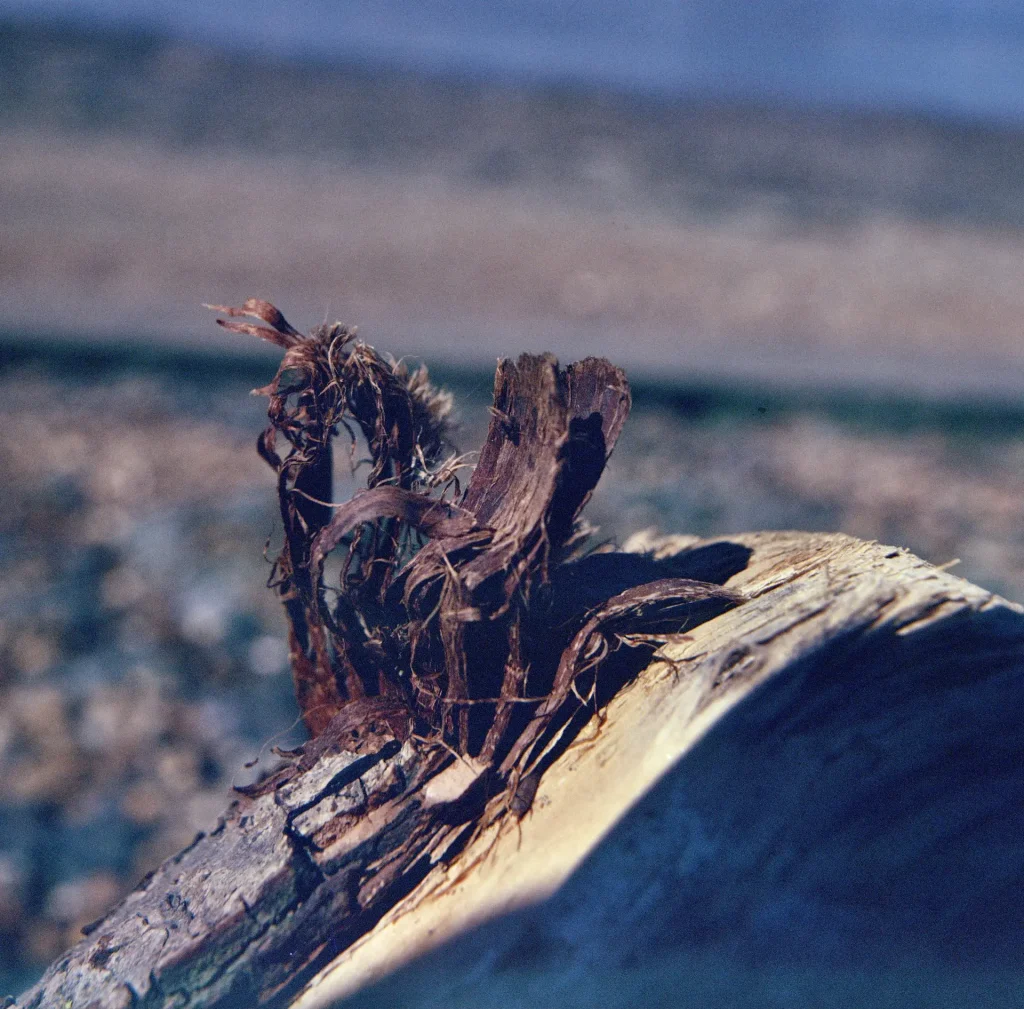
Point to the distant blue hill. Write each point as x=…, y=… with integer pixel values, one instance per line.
x=939, y=57
x=681, y=156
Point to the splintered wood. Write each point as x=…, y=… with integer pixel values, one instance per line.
x=439, y=672
x=438, y=628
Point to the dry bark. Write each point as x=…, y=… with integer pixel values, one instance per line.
x=813, y=799
x=435, y=675
x=439, y=639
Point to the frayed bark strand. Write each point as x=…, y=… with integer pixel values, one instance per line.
x=441, y=665
x=430, y=629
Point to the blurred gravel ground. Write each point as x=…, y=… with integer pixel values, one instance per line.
x=142, y=658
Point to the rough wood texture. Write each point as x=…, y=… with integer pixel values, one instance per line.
x=834, y=764
x=237, y=915
x=808, y=793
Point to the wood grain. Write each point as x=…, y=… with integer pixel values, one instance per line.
x=833, y=764
x=829, y=774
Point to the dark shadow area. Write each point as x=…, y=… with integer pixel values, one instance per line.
x=863, y=409
x=98, y=355
x=578, y=587
x=848, y=834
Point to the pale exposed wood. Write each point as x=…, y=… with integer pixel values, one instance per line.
x=807, y=593
x=856, y=642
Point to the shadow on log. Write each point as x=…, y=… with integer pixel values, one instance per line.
x=838, y=820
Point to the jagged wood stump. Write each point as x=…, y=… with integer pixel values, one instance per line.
x=827, y=777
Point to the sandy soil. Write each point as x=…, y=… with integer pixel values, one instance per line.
x=465, y=219
x=109, y=237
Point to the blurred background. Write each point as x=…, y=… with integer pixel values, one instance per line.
x=798, y=225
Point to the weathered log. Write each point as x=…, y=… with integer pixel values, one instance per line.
x=446, y=684
x=814, y=799
x=309, y=860
x=838, y=749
